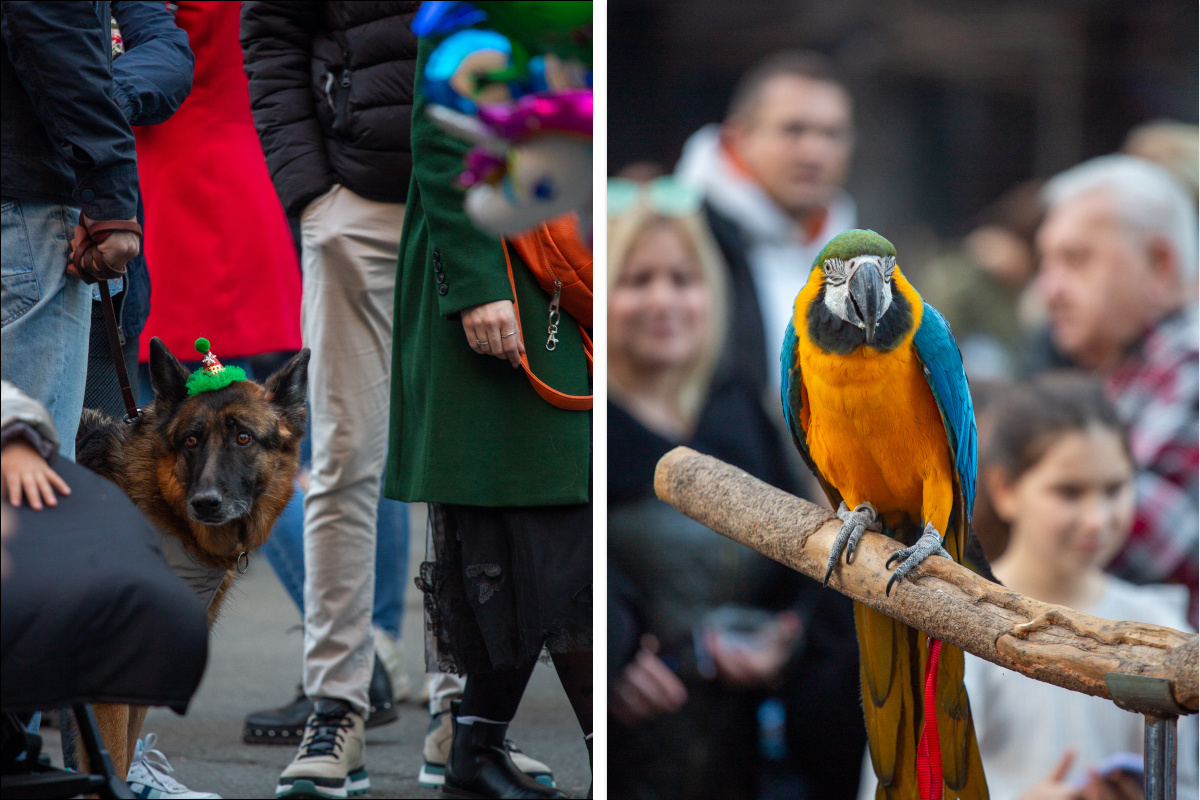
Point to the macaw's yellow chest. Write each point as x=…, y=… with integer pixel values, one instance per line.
x=875, y=433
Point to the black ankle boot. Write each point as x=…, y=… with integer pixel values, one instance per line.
x=286, y=725
x=479, y=766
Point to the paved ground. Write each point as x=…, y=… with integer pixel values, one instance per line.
x=254, y=663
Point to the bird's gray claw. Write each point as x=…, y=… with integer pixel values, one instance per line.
x=929, y=544
x=853, y=524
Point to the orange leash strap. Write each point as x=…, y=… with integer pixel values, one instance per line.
x=570, y=402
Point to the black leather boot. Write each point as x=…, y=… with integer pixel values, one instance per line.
x=479, y=766
x=286, y=725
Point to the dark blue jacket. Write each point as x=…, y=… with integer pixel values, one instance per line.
x=150, y=82
x=63, y=138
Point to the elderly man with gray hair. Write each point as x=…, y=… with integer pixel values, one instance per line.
x=1118, y=251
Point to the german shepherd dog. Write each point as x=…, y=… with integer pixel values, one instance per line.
x=213, y=471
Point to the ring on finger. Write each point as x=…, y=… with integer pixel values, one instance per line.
x=484, y=343
x=506, y=335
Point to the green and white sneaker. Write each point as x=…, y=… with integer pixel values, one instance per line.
x=329, y=761
x=437, y=750
x=150, y=775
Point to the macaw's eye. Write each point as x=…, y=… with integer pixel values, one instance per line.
x=544, y=189
x=191, y=441
x=243, y=439
x=835, y=270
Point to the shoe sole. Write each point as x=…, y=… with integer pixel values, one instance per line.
x=431, y=776
x=355, y=783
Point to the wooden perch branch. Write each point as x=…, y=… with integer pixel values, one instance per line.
x=1051, y=643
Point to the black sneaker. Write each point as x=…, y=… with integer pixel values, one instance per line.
x=286, y=725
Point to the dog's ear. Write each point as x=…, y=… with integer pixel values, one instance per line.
x=288, y=389
x=168, y=376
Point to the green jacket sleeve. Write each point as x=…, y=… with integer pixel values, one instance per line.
x=472, y=260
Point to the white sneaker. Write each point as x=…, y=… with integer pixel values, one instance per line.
x=149, y=774
x=391, y=653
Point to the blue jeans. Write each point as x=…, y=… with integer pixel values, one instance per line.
x=45, y=314
x=285, y=549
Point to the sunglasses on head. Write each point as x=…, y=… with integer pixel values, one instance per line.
x=666, y=195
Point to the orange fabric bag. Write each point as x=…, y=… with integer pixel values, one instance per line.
x=562, y=266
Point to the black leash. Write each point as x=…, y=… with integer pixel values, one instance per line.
x=114, y=342
x=90, y=267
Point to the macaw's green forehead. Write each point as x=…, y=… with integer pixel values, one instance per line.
x=852, y=244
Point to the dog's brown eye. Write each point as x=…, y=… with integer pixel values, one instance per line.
x=243, y=438
x=191, y=441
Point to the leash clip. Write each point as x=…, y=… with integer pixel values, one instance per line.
x=243, y=562
x=552, y=342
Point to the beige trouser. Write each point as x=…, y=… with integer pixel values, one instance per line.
x=350, y=250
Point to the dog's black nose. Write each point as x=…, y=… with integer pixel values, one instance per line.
x=206, y=504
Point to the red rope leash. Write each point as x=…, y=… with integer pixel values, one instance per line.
x=929, y=750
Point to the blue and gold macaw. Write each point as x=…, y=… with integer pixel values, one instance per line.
x=877, y=401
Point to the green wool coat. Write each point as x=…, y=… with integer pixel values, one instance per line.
x=467, y=428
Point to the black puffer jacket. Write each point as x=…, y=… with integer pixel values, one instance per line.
x=331, y=88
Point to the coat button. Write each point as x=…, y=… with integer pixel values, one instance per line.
x=437, y=257
x=437, y=268
x=441, y=277
x=443, y=289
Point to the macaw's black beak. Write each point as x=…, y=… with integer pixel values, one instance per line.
x=866, y=293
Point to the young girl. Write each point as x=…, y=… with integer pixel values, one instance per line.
x=1058, y=472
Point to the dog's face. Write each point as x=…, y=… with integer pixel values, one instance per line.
x=233, y=452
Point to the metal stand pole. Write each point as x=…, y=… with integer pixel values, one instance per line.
x=1152, y=697
x=1160, y=757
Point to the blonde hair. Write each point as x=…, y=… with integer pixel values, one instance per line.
x=624, y=231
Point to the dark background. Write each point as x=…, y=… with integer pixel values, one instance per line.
x=955, y=102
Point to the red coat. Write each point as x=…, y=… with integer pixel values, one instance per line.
x=221, y=257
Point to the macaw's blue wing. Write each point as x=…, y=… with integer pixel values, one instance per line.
x=792, y=390
x=943, y=365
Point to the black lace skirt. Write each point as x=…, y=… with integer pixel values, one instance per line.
x=506, y=583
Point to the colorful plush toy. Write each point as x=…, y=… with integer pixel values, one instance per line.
x=458, y=73
x=563, y=29
x=532, y=159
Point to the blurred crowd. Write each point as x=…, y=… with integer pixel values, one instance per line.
x=1074, y=304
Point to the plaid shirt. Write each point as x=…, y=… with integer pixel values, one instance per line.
x=1156, y=390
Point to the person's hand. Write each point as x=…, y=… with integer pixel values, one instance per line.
x=24, y=471
x=758, y=660
x=646, y=688
x=1116, y=785
x=491, y=330
x=117, y=250
x=1053, y=787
